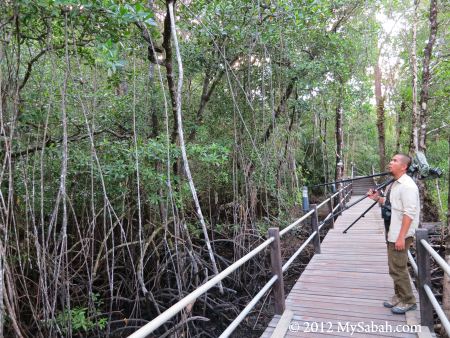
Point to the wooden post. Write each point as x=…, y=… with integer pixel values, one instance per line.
x=343, y=197
x=276, y=264
x=330, y=208
x=315, y=227
x=336, y=203
x=424, y=278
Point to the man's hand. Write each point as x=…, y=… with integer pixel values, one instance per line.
x=400, y=244
x=373, y=194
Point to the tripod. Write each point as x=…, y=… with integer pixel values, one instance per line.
x=379, y=187
x=350, y=180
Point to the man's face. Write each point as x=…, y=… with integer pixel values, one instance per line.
x=396, y=165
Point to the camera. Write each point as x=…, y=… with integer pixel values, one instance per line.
x=424, y=173
x=421, y=167
x=386, y=214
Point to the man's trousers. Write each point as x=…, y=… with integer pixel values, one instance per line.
x=398, y=270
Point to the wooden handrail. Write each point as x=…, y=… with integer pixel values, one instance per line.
x=315, y=228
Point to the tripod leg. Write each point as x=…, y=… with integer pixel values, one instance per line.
x=362, y=215
x=356, y=202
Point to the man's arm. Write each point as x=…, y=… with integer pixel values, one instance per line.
x=374, y=195
x=409, y=197
x=400, y=242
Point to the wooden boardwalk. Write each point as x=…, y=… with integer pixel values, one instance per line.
x=346, y=285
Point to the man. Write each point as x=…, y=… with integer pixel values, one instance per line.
x=405, y=211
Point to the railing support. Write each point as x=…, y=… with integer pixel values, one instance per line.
x=315, y=227
x=424, y=278
x=336, y=203
x=277, y=266
x=343, y=197
x=330, y=208
x=305, y=199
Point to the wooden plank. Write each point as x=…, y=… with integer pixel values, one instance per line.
x=314, y=276
x=361, y=269
x=274, y=322
x=425, y=333
x=341, y=289
x=348, y=283
x=349, y=317
x=349, y=249
x=357, y=312
x=344, y=301
x=412, y=318
x=283, y=324
x=358, y=258
x=343, y=274
x=346, y=265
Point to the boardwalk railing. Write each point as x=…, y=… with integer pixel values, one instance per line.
x=276, y=281
x=423, y=272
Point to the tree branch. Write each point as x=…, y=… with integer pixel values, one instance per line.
x=280, y=109
x=73, y=138
x=208, y=88
x=39, y=55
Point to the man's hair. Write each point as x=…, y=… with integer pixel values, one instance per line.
x=406, y=159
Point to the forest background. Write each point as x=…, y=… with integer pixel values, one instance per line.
x=122, y=189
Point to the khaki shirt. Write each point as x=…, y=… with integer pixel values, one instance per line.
x=405, y=200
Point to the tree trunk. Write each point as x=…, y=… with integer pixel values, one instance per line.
x=167, y=44
x=423, y=106
x=446, y=281
x=281, y=108
x=325, y=155
x=398, y=127
x=170, y=6
x=285, y=157
x=166, y=50
x=324, y=150
x=339, y=138
x=426, y=76
x=210, y=82
x=380, y=116
x=414, y=140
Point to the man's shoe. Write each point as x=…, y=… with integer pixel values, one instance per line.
x=401, y=308
x=392, y=302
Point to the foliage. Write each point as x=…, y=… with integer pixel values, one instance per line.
x=77, y=317
x=78, y=320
